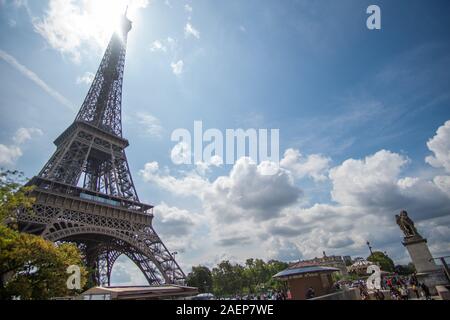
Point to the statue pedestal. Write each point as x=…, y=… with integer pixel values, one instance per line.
x=427, y=270
x=420, y=254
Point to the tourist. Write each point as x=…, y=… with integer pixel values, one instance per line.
x=336, y=286
x=404, y=292
x=379, y=295
x=395, y=294
x=389, y=282
x=426, y=291
x=414, y=279
x=279, y=295
x=415, y=290
x=363, y=292
x=310, y=293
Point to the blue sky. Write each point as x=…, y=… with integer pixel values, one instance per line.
x=355, y=109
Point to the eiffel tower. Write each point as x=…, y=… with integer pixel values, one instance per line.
x=85, y=193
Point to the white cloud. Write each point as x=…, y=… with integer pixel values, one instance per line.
x=188, y=8
x=245, y=193
x=138, y=4
x=150, y=169
x=202, y=167
x=150, y=124
x=314, y=166
x=179, y=228
x=172, y=221
x=443, y=183
x=126, y=273
x=73, y=27
x=334, y=228
x=440, y=146
x=190, y=185
x=189, y=30
x=367, y=181
x=339, y=241
x=172, y=42
x=261, y=216
x=283, y=249
x=438, y=230
x=24, y=134
x=35, y=78
x=368, y=192
x=181, y=153
x=86, y=78
x=9, y=155
x=158, y=46
x=375, y=182
x=177, y=67
x=216, y=161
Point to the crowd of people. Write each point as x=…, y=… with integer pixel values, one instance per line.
x=399, y=287
x=402, y=288
x=270, y=295
x=394, y=287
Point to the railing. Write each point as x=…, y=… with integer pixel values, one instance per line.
x=90, y=195
x=99, y=199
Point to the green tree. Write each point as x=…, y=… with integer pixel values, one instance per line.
x=259, y=275
x=228, y=279
x=200, y=277
x=405, y=269
x=30, y=266
x=34, y=268
x=255, y=277
x=381, y=259
x=253, y=274
x=13, y=196
x=274, y=267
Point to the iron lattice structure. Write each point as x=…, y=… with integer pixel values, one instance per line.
x=85, y=193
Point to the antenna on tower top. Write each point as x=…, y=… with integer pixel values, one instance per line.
x=126, y=23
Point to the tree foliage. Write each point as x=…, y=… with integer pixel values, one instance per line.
x=381, y=259
x=13, y=196
x=34, y=268
x=405, y=270
x=200, y=277
x=30, y=266
x=227, y=279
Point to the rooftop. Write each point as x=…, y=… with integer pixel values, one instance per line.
x=304, y=270
x=141, y=292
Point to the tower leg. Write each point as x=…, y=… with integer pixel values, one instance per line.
x=106, y=260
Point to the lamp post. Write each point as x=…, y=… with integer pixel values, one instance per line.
x=370, y=248
x=205, y=286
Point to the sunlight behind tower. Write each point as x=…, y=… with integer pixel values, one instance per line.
x=101, y=18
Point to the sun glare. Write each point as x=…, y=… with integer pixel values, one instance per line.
x=107, y=14
x=104, y=16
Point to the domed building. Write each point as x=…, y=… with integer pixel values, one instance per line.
x=360, y=266
x=325, y=261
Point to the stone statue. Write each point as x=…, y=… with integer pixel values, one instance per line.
x=406, y=225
